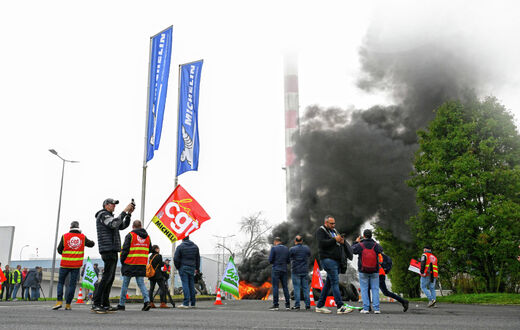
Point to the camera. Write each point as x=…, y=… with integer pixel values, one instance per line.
x=133, y=202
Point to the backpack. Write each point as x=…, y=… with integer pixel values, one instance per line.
x=369, y=262
x=150, y=271
x=387, y=263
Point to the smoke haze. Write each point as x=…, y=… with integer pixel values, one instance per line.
x=355, y=162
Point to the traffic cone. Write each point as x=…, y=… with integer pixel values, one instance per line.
x=311, y=296
x=80, y=297
x=330, y=302
x=218, y=301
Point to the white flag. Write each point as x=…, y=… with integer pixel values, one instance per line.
x=230, y=281
x=90, y=277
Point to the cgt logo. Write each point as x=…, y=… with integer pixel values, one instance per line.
x=140, y=239
x=74, y=243
x=180, y=220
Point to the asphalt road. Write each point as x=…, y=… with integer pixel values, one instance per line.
x=255, y=314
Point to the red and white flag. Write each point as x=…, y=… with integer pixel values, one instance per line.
x=415, y=266
x=180, y=215
x=317, y=281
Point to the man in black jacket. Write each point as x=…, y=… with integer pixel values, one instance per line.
x=109, y=243
x=134, y=257
x=330, y=245
x=187, y=261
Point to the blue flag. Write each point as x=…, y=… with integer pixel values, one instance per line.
x=160, y=57
x=188, y=130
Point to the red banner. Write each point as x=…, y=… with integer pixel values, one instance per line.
x=180, y=215
x=317, y=281
x=415, y=266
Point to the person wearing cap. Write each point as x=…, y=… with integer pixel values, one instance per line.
x=367, y=250
x=279, y=258
x=429, y=274
x=109, y=244
x=71, y=248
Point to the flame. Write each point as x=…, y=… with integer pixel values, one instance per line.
x=249, y=291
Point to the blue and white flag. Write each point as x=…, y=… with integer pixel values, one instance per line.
x=160, y=56
x=188, y=130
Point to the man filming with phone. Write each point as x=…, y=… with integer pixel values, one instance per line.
x=109, y=243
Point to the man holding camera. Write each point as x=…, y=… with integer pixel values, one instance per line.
x=109, y=242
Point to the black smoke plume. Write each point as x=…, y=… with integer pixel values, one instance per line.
x=355, y=162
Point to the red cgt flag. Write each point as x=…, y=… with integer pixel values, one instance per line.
x=180, y=215
x=317, y=281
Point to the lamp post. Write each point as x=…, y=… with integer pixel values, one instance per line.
x=54, y=152
x=22, y=250
x=223, y=244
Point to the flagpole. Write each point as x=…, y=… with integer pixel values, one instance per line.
x=176, y=181
x=145, y=164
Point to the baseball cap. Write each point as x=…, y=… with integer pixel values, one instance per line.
x=110, y=201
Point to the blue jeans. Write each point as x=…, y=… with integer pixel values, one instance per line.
x=140, y=284
x=35, y=293
x=364, y=280
x=331, y=266
x=428, y=287
x=276, y=277
x=301, y=281
x=187, y=274
x=74, y=273
x=15, y=290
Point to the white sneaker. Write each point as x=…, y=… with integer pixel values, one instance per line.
x=344, y=310
x=323, y=310
x=183, y=306
x=364, y=311
x=377, y=312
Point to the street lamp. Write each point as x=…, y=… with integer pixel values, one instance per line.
x=22, y=250
x=54, y=152
x=223, y=244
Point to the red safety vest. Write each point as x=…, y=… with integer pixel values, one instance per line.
x=430, y=259
x=73, y=250
x=139, y=250
x=166, y=269
x=380, y=259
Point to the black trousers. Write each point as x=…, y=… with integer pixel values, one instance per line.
x=385, y=291
x=102, y=293
x=7, y=289
x=162, y=289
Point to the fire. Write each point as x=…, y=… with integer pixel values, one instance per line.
x=249, y=291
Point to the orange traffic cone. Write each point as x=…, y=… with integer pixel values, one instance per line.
x=330, y=302
x=311, y=296
x=80, y=297
x=218, y=301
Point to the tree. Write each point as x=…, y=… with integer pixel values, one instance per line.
x=403, y=280
x=467, y=180
x=255, y=227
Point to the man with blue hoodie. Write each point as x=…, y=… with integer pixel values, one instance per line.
x=187, y=261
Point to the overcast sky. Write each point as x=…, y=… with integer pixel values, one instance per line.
x=73, y=77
